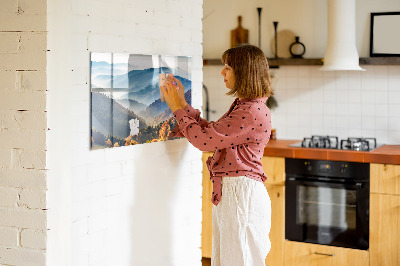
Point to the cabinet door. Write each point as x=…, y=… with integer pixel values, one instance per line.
x=384, y=230
x=274, y=168
x=385, y=178
x=304, y=254
x=206, y=226
x=277, y=233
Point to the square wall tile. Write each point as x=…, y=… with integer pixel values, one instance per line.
x=367, y=110
x=380, y=71
x=355, y=122
x=381, y=97
x=355, y=109
x=394, y=97
x=291, y=71
x=382, y=136
x=329, y=109
x=342, y=109
x=394, y=83
x=342, y=96
x=394, y=123
x=394, y=110
x=381, y=110
x=394, y=137
x=342, y=122
x=355, y=96
x=382, y=123
x=367, y=96
x=368, y=122
x=355, y=132
x=380, y=84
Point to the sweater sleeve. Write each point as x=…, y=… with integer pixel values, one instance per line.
x=193, y=113
x=229, y=131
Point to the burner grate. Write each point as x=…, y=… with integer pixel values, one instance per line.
x=358, y=144
x=327, y=142
x=332, y=142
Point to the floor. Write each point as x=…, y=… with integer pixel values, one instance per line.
x=206, y=261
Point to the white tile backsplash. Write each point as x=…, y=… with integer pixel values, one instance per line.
x=343, y=103
x=394, y=110
x=381, y=84
x=394, y=97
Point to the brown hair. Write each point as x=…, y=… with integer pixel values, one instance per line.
x=250, y=66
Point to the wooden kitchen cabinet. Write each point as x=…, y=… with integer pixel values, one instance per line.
x=305, y=254
x=274, y=168
x=384, y=236
x=385, y=215
x=277, y=233
x=385, y=178
x=206, y=225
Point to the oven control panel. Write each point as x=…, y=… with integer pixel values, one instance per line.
x=338, y=169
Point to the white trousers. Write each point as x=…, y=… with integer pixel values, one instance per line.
x=241, y=223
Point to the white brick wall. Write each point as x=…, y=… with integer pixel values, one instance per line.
x=138, y=205
x=23, y=132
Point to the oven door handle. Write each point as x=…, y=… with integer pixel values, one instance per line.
x=357, y=185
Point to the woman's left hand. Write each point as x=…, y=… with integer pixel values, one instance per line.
x=170, y=91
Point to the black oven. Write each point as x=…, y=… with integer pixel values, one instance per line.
x=327, y=202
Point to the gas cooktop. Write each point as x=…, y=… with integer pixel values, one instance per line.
x=332, y=142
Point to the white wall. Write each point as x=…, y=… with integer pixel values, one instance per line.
x=306, y=19
x=23, y=133
x=136, y=205
x=311, y=102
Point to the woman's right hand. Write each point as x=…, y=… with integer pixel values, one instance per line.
x=181, y=91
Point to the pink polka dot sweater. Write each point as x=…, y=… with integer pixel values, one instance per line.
x=238, y=139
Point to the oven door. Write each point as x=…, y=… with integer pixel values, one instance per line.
x=327, y=213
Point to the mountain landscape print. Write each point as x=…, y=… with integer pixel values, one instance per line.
x=126, y=107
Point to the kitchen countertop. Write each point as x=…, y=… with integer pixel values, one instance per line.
x=389, y=154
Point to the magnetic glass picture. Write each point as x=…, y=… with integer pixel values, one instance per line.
x=126, y=104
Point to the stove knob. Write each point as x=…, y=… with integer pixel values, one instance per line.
x=343, y=168
x=308, y=166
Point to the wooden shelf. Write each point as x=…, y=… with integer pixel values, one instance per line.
x=380, y=61
x=274, y=63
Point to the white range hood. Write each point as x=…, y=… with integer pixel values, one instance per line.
x=341, y=51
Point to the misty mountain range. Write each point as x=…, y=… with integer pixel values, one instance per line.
x=118, y=98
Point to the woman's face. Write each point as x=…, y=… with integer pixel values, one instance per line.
x=229, y=76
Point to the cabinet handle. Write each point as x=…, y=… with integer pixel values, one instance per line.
x=324, y=254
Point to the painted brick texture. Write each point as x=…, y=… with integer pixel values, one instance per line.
x=23, y=126
x=138, y=205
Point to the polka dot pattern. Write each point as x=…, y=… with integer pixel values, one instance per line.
x=238, y=139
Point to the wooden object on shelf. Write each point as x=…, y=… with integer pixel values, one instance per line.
x=384, y=235
x=385, y=179
x=305, y=254
x=239, y=35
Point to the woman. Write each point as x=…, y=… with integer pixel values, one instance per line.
x=242, y=208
